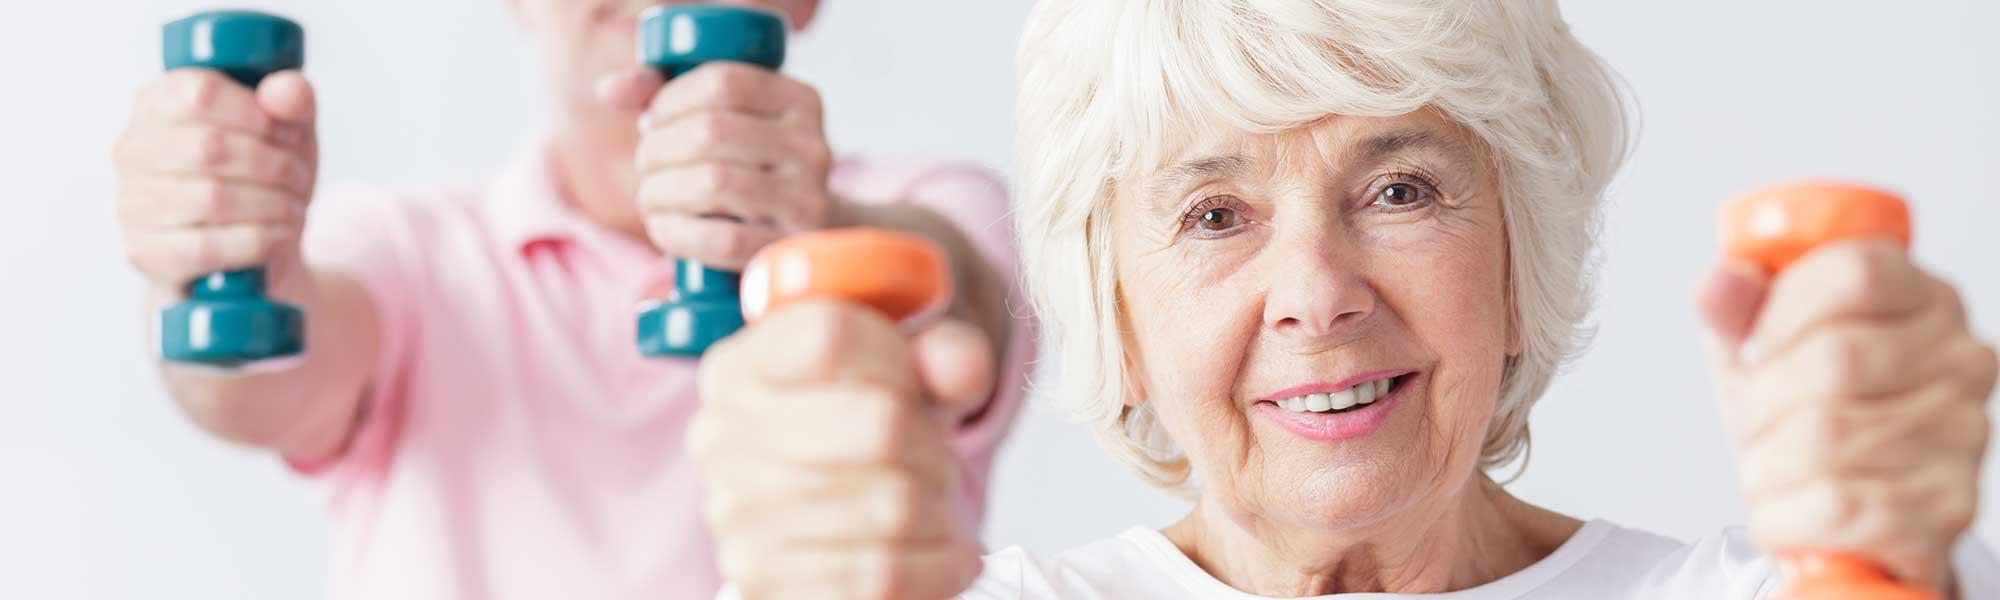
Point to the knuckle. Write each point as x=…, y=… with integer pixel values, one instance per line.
x=710, y=128
x=207, y=198
x=899, y=507
x=715, y=177
x=1846, y=358
x=1869, y=268
x=734, y=241
x=731, y=80
x=200, y=91
x=824, y=333
x=1824, y=430
x=884, y=428
x=211, y=146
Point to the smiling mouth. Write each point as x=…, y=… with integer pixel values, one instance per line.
x=1353, y=398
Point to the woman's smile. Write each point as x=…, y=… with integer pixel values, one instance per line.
x=1351, y=408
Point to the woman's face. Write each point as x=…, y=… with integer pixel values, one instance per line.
x=1256, y=271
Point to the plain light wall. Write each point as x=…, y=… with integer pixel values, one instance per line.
x=111, y=493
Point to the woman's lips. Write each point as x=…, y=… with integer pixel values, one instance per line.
x=1349, y=424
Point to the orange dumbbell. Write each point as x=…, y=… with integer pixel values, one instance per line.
x=903, y=276
x=1773, y=227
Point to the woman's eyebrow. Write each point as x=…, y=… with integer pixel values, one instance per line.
x=1173, y=179
x=1377, y=147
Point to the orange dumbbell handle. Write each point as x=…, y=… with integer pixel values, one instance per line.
x=1773, y=227
x=903, y=276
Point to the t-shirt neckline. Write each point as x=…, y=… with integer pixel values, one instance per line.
x=1169, y=559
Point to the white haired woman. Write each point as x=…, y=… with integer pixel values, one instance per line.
x=1311, y=263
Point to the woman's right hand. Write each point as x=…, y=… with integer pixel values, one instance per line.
x=824, y=439
x=213, y=176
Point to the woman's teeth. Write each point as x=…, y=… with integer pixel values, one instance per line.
x=1361, y=394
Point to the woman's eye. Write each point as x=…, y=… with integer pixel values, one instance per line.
x=1404, y=195
x=1216, y=216
x=1399, y=194
x=1217, y=219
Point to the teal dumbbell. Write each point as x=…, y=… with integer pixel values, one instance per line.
x=227, y=321
x=704, y=306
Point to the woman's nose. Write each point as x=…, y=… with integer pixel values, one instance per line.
x=1322, y=299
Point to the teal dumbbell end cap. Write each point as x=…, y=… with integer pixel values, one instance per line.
x=227, y=321
x=677, y=38
x=246, y=45
x=674, y=39
x=704, y=309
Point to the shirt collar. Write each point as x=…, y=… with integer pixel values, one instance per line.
x=529, y=205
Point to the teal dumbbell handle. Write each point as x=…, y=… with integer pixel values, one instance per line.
x=705, y=306
x=227, y=321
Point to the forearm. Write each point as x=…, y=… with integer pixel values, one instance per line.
x=304, y=411
x=979, y=294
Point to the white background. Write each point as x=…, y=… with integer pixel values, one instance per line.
x=107, y=492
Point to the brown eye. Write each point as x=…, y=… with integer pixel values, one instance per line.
x=1218, y=219
x=1398, y=195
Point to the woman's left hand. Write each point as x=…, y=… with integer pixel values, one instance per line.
x=727, y=140
x=1856, y=396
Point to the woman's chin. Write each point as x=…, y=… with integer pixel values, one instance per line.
x=1351, y=482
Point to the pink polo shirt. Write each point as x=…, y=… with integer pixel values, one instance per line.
x=514, y=444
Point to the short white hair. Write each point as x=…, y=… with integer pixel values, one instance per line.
x=1103, y=83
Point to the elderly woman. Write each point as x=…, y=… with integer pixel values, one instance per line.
x=1311, y=263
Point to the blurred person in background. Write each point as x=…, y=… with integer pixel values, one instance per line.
x=472, y=398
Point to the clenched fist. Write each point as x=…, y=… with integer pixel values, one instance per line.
x=1856, y=396
x=214, y=176
x=725, y=140
x=824, y=439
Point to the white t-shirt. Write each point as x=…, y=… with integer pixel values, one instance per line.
x=1602, y=561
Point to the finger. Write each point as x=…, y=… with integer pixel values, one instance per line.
x=820, y=340
x=288, y=98
x=838, y=427
x=629, y=89
x=955, y=366
x=1729, y=299
x=1852, y=279
x=181, y=255
x=1857, y=438
x=1837, y=371
x=1903, y=522
x=718, y=188
x=187, y=202
x=194, y=95
x=925, y=571
x=829, y=505
x=202, y=151
x=736, y=87
x=721, y=135
x=716, y=242
x=1865, y=358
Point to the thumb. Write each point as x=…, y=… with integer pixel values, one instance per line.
x=1730, y=298
x=290, y=101
x=955, y=367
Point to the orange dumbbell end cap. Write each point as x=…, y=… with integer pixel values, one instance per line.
x=1822, y=575
x=1776, y=225
x=901, y=275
